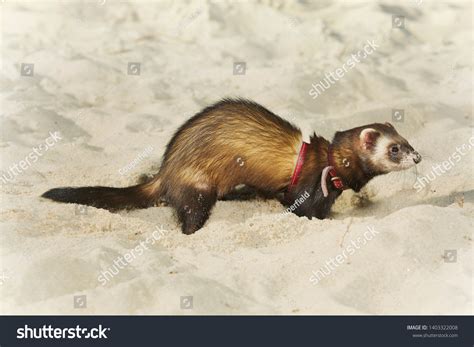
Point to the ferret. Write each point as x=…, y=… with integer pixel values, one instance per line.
x=239, y=142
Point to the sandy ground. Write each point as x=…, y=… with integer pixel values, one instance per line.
x=248, y=259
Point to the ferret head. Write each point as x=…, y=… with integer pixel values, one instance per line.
x=385, y=150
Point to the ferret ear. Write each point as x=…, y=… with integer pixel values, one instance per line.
x=389, y=125
x=368, y=138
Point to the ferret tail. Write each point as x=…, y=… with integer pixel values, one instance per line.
x=139, y=196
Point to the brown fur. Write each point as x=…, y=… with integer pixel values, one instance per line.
x=231, y=143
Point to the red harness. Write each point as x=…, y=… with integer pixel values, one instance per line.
x=299, y=165
x=336, y=180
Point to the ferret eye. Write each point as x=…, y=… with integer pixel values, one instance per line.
x=394, y=149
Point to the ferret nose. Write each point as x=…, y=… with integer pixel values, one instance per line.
x=417, y=157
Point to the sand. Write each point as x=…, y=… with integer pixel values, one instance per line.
x=249, y=258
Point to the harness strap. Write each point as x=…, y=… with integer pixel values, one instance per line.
x=335, y=180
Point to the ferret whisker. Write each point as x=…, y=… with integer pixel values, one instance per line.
x=426, y=156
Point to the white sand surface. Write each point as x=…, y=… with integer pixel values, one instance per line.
x=248, y=259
